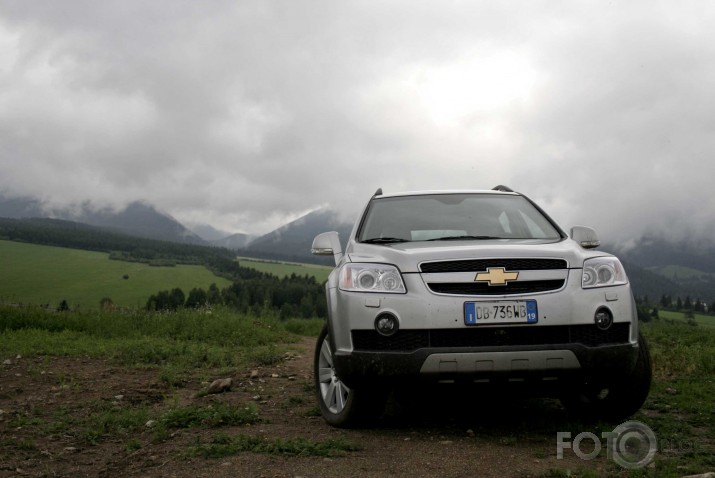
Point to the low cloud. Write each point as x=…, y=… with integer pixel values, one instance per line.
x=248, y=115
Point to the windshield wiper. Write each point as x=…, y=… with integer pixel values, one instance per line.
x=461, y=238
x=384, y=240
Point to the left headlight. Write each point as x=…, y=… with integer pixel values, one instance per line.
x=359, y=277
x=603, y=272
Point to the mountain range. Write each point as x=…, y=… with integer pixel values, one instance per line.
x=136, y=219
x=655, y=265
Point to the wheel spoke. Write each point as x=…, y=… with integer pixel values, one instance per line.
x=329, y=396
x=340, y=392
x=325, y=375
x=326, y=354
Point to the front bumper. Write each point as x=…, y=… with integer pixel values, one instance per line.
x=479, y=364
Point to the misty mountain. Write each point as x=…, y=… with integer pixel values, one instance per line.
x=659, y=252
x=208, y=233
x=17, y=208
x=292, y=241
x=137, y=219
x=234, y=241
x=659, y=266
x=646, y=283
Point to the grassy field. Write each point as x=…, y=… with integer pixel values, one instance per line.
x=182, y=340
x=34, y=274
x=282, y=269
x=702, y=320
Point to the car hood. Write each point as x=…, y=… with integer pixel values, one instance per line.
x=408, y=255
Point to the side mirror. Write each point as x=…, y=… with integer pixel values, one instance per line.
x=327, y=244
x=585, y=236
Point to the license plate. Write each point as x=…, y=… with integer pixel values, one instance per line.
x=500, y=312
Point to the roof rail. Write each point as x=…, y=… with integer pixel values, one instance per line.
x=378, y=192
x=503, y=188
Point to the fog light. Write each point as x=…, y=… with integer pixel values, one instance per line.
x=603, y=318
x=386, y=324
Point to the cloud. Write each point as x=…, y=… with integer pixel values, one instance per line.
x=249, y=114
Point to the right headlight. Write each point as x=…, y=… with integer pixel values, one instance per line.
x=603, y=272
x=362, y=277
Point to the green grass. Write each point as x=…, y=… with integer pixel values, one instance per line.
x=681, y=405
x=704, y=320
x=222, y=445
x=306, y=327
x=681, y=353
x=34, y=274
x=214, y=415
x=283, y=269
x=180, y=340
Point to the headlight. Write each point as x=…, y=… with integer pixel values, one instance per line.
x=371, y=278
x=603, y=272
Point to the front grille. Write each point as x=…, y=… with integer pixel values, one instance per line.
x=403, y=340
x=411, y=340
x=481, y=288
x=476, y=265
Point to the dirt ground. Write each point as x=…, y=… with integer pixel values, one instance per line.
x=433, y=438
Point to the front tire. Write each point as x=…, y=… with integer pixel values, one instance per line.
x=616, y=400
x=340, y=405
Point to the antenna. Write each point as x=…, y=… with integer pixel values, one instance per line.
x=378, y=192
x=503, y=188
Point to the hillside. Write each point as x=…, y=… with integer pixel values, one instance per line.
x=54, y=232
x=136, y=219
x=34, y=274
x=677, y=269
x=660, y=252
x=292, y=242
x=234, y=241
x=647, y=283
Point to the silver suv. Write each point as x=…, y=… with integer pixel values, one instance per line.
x=475, y=287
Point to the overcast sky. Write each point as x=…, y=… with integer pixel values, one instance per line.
x=243, y=114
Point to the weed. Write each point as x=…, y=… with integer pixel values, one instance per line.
x=114, y=421
x=266, y=356
x=215, y=415
x=24, y=444
x=305, y=327
x=171, y=376
x=224, y=445
x=133, y=445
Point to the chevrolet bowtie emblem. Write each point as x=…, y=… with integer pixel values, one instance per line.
x=496, y=276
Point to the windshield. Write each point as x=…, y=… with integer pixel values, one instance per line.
x=443, y=217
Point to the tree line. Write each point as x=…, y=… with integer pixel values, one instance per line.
x=649, y=310
x=292, y=296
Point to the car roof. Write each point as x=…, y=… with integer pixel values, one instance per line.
x=379, y=194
